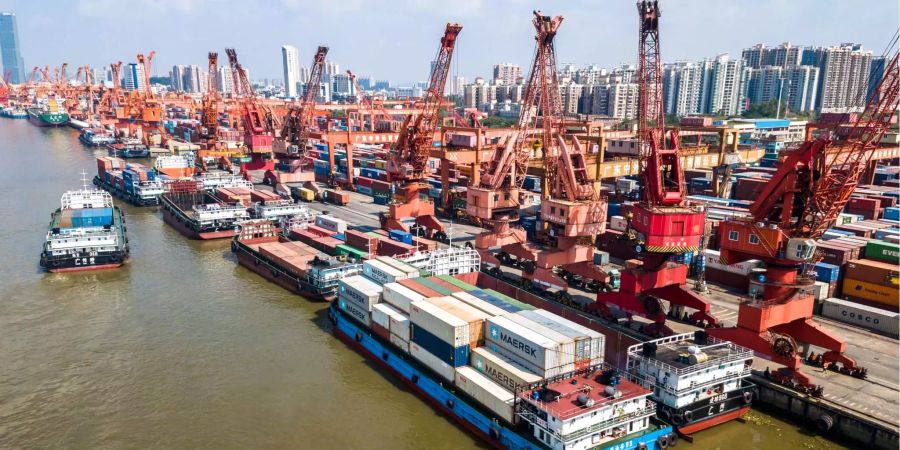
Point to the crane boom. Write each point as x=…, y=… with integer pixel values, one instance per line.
x=300, y=117
x=257, y=130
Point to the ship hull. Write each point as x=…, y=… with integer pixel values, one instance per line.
x=129, y=197
x=270, y=271
x=45, y=119
x=183, y=226
x=707, y=413
x=430, y=389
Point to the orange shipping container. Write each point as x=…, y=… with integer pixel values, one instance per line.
x=888, y=296
x=875, y=272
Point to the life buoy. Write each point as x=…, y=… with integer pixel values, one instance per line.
x=673, y=440
x=662, y=442
x=748, y=397
x=688, y=416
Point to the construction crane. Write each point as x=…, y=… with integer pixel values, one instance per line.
x=572, y=209
x=367, y=105
x=408, y=159
x=804, y=197
x=258, y=133
x=300, y=118
x=664, y=225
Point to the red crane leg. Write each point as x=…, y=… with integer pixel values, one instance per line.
x=809, y=332
x=629, y=303
x=678, y=295
x=757, y=342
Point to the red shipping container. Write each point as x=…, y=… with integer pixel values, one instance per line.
x=724, y=278
x=381, y=331
x=361, y=240
x=835, y=254
x=886, y=202
x=863, y=203
x=394, y=248
x=304, y=236
x=424, y=244
x=421, y=290
x=382, y=186
x=749, y=188
x=855, y=229
x=263, y=196
x=444, y=284
x=364, y=182
x=319, y=231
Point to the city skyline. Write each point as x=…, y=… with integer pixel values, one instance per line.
x=360, y=42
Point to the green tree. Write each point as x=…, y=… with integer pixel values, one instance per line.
x=497, y=122
x=760, y=110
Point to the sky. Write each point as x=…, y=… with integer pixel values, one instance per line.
x=396, y=39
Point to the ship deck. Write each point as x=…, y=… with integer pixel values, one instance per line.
x=567, y=406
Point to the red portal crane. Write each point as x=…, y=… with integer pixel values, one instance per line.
x=664, y=224
x=300, y=118
x=408, y=160
x=210, y=110
x=257, y=129
x=803, y=198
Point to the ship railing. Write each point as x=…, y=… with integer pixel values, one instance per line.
x=530, y=416
x=651, y=382
x=735, y=353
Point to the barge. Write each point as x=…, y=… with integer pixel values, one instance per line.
x=198, y=214
x=96, y=137
x=128, y=148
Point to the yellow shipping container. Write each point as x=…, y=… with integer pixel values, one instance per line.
x=887, y=295
x=307, y=195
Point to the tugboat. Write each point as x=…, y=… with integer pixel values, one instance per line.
x=95, y=137
x=86, y=233
x=48, y=114
x=698, y=381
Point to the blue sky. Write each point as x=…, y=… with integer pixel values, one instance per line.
x=396, y=39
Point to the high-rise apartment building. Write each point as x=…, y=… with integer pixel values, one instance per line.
x=342, y=85
x=784, y=55
x=290, y=61
x=480, y=95
x=843, y=76
x=226, y=81
x=191, y=80
x=176, y=78
x=507, y=73
x=134, y=77
x=10, y=54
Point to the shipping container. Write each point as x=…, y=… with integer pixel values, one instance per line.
x=354, y=311
x=504, y=371
x=439, y=367
x=486, y=307
x=419, y=288
x=525, y=345
x=473, y=316
x=457, y=282
x=381, y=272
x=883, y=251
x=399, y=296
x=596, y=345
x=453, y=356
x=410, y=271
x=400, y=343
x=564, y=343
x=360, y=290
x=868, y=317
x=442, y=324
x=485, y=391
x=330, y=223
x=442, y=290
x=827, y=272
x=495, y=301
x=889, y=296
x=507, y=299
x=875, y=272
x=392, y=319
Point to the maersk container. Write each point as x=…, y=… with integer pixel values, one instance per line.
x=481, y=305
x=592, y=343
x=410, y=271
x=453, y=355
x=360, y=290
x=502, y=370
x=355, y=311
x=883, y=233
x=491, y=395
x=473, y=316
x=331, y=223
x=381, y=272
x=525, y=365
x=447, y=327
x=439, y=367
x=400, y=297
x=526, y=345
x=400, y=343
x=871, y=318
x=564, y=344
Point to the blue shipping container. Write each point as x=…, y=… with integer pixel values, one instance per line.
x=828, y=273
x=494, y=301
x=892, y=213
x=401, y=236
x=454, y=356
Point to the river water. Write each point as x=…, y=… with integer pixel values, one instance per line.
x=181, y=348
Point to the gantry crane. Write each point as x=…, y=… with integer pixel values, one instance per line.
x=572, y=210
x=366, y=105
x=300, y=118
x=803, y=198
x=408, y=159
x=258, y=132
x=663, y=224
x=210, y=107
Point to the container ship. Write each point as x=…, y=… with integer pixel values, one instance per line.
x=48, y=114
x=128, y=148
x=200, y=214
x=86, y=233
x=698, y=381
x=96, y=137
x=511, y=374
x=135, y=183
x=295, y=266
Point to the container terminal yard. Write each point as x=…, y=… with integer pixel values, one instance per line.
x=566, y=282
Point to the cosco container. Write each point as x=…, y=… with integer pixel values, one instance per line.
x=502, y=370
x=445, y=326
x=439, y=367
x=354, y=311
x=494, y=397
x=360, y=290
x=400, y=297
x=525, y=345
x=868, y=317
x=453, y=355
x=381, y=272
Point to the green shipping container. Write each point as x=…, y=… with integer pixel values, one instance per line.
x=344, y=249
x=458, y=283
x=883, y=251
x=433, y=286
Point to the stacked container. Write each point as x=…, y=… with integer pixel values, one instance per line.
x=361, y=291
x=532, y=350
x=382, y=273
x=503, y=370
x=438, y=336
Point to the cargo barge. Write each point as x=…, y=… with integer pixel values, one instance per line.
x=86, y=233
x=128, y=148
x=200, y=215
x=96, y=137
x=134, y=183
x=698, y=381
x=49, y=114
x=297, y=267
x=531, y=406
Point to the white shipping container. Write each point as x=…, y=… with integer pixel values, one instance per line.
x=480, y=304
x=432, y=362
x=520, y=362
x=381, y=272
x=869, y=317
x=565, y=344
x=355, y=311
x=618, y=223
x=410, y=271
x=400, y=296
x=501, y=370
x=380, y=316
x=741, y=268
x=440, y=323
x=393, y=320
x=493, y=396
x=474, y=316
x=589, y=344
x=361, y=290
x=523, y=344
x=400, y=343
x=331, y=223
